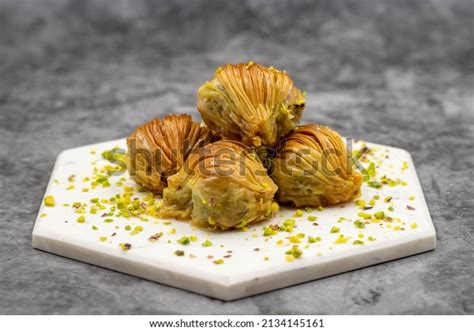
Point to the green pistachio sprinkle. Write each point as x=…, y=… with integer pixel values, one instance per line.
x=288, y=225
x=270, y=230
x=359, y=224
x=380, y=215
x=179, y=253
x=184, y=240
x=49, y=201
x=365, y=216
x=295, y=252
x=298, y=213
x=206, y=243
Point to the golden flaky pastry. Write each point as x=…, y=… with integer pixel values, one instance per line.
x=251, y=103
x=222, y=186
x=158, y=149
x=312, y=168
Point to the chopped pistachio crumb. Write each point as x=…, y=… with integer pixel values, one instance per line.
x=371, y=238
x=193, y=238
x=179, y=252
x=294, y=240
x=359, y=224
x=288, y=225
x=295, y=252
x=341, y=240
x=155, y=237
x=360, y=203
x=311, y=239
x=388, y=199
x=85, y=189
x=320, y=208
x=391, y=208
x=108, y=220
x=298, y=213
x=172, y=231
x=380, y=215
x=374, y=184
x=95, y=227
x=411, y=198
x=206, y=243
x=275, y=207
x=414, y=225
x=81, y=219
x=43, y=215
x=137, y=230
x=49, y=201
x=404, y=165
x=219, y=261
x=312, y=218
x=357, y=242
x=289, y=258
x=211, y=220
x=365, y=216
x=103, y=238
x=334, y=229
x=125, y=246
x=128, y=227
x=184, y=240
x=266, y=258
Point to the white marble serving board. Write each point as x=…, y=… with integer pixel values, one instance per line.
x=253, y=263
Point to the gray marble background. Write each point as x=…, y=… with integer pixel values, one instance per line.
x=394, y=72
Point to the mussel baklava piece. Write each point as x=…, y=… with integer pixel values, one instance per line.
x=158, y=149
x=222, y=186
x=251, y=103
x=312, y=168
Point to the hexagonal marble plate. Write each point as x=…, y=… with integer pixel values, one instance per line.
x=253, y=263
